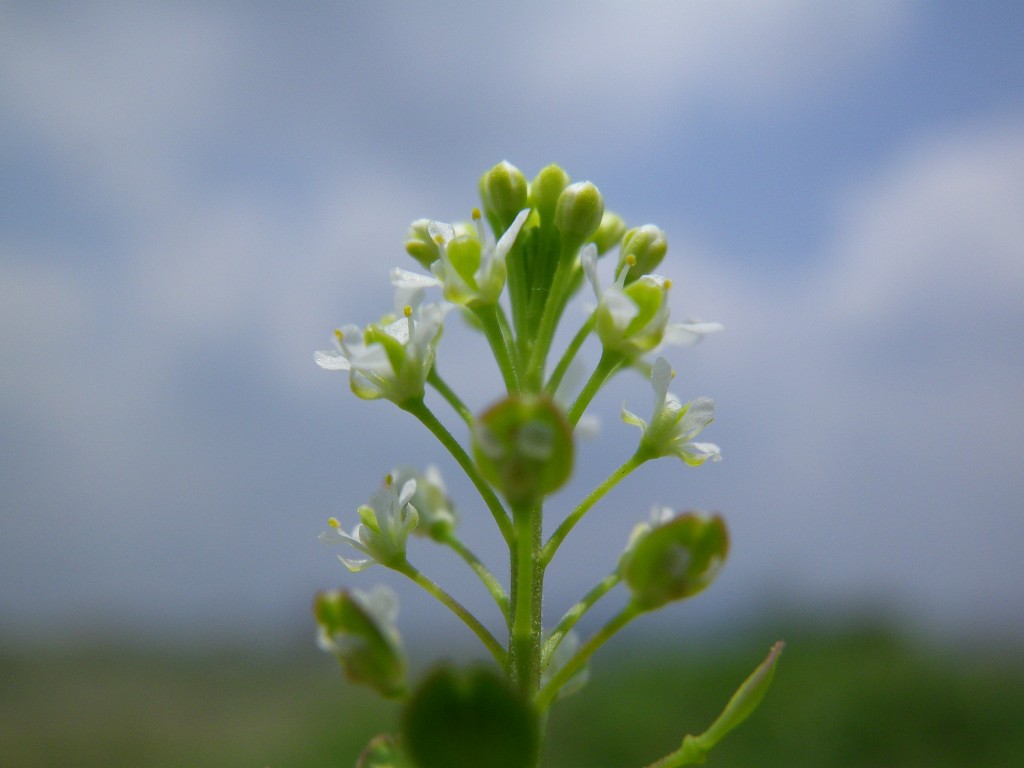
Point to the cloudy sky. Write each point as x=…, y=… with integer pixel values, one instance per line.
x=193, y=195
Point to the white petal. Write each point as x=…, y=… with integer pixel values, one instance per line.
x=331, y=361
x=699, y=413
x=439, y=229
x=687, y=334
x=703, y=451
x=661, y=375
x=588, y=258
x=356, y=564
x=621, y=308
x=403, y=278
x=407, y=492
x=398, y=330
x=373, y=359
x=507, y=239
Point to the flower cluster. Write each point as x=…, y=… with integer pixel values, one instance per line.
x=511, y=272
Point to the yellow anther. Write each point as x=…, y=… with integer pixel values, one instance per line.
x=388, y=479
x=338, y=334
x=333, y=522
x=630, y=259
x=438, y=239
x=407, y=311
x=668, y=284
x=476, y=214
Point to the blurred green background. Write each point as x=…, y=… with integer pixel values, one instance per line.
x=853, y=694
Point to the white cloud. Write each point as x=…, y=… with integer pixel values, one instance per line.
x=878, y=395
x=942, y=226
x=740, y=52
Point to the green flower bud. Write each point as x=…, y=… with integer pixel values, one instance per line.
x=609, y=233
x=467, y=719
x=503, y=192
x=673, y=558
x=579, y=210
x=358, y=628
x=545, y=189
x=420, y=245
x=647, y=246
x=523, y=445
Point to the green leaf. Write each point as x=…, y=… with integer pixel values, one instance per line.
x=468, y=719
x=695, y=748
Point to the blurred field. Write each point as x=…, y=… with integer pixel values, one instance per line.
x=853, y=698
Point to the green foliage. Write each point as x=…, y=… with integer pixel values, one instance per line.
x=465, y=718
x=853, y=698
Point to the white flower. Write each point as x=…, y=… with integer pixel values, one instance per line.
x=390, y=359
x=630, y=319
x=674, y=424
x=431, y=501
x=470, y=270
x=634, y=319
x=387, y=521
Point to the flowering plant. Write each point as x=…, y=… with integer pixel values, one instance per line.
x=513, y=286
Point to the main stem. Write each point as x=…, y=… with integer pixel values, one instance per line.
x=527, y=595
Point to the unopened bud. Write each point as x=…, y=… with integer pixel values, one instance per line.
x=647, y=245
x=545, y=189
x=420, y=245
x=503, y=191
x=579, y=210
x=609, y=233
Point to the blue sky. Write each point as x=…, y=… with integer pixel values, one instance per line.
x=193, y=195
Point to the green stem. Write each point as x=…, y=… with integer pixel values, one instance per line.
x=507, y=333
x=501, y=345
x=435, y=380
x=569, y=355
x=609, y=363
x=574, y=614
x=420, y=410
x=489, y=580
x=584, y=506
x=525, y=637
x=492, y=645
x=562, y=676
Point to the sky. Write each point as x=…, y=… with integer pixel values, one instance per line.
x=194, y=195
